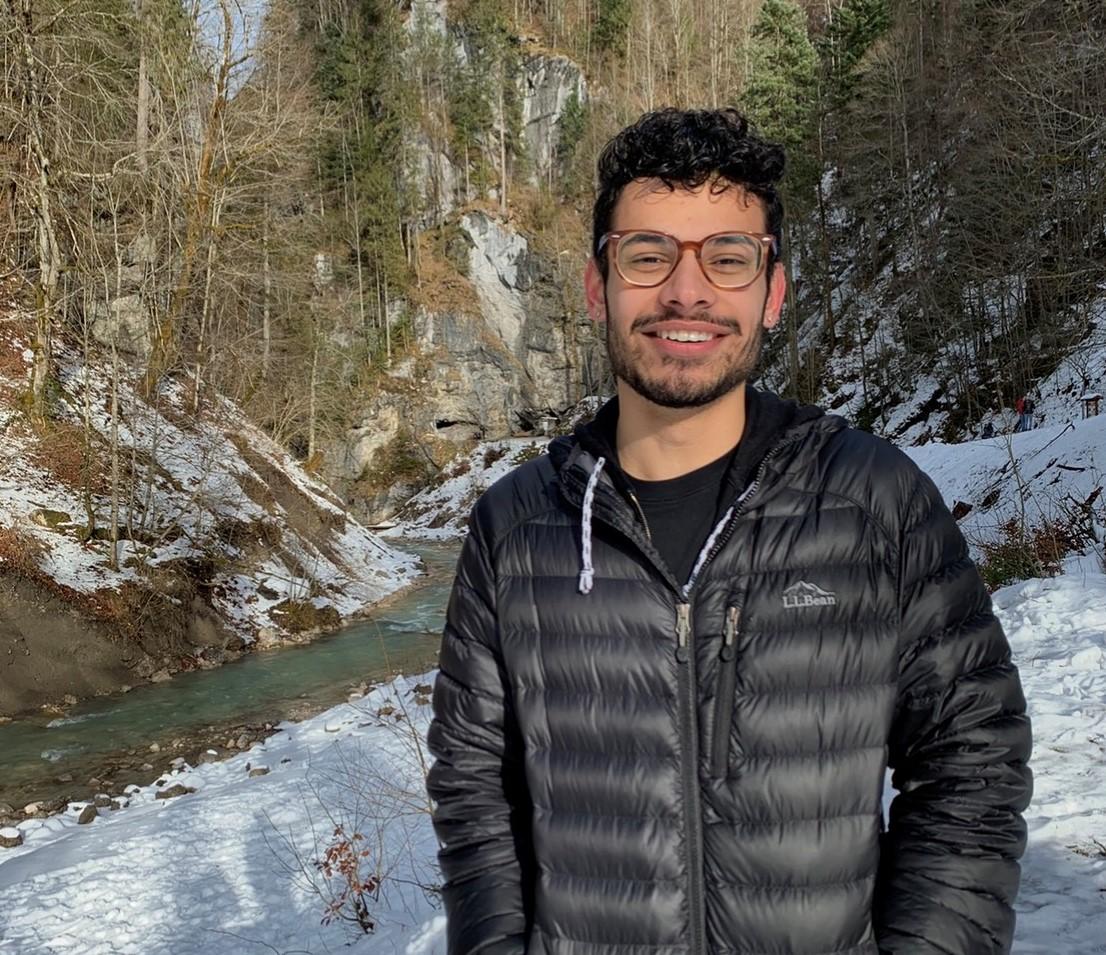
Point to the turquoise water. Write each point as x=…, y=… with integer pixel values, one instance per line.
x=266, y=686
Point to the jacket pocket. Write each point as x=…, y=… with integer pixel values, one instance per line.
x=724, y=702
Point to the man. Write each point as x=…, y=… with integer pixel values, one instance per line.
x=683, y=647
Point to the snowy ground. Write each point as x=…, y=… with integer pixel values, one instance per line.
x=193, y=487
x=213, y=872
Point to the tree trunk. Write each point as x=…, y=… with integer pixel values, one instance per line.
x=46, y=240
x=142, y=120
x=266, y=294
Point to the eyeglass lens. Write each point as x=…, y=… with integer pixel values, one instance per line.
x=729, y=260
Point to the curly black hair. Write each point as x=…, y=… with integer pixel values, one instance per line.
x=686, y=148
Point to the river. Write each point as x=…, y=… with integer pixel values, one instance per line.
x=39, y=754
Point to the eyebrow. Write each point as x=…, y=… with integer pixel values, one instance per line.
x=645, y=237
x=731, y=238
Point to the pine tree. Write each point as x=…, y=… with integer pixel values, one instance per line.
x=779, y=95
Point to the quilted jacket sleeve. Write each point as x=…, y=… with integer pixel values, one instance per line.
x=959, y=746
x=482, y=807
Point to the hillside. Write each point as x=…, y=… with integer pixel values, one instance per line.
x=223, y=542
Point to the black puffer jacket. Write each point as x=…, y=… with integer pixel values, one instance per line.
x=644, y=770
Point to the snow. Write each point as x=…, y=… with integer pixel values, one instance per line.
x=228, y=869
x=440, y=512
x=192, y=475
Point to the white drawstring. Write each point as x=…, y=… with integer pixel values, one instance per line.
x=718, y=528
x=587, y=574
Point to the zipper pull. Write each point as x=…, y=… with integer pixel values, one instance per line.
x=683, y=631
x=733, y=616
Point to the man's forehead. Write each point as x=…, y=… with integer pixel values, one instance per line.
x=645, y=199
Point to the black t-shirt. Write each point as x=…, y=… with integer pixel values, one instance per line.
x=680, y=512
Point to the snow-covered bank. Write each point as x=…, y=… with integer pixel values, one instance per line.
x=225, y=540
x=441, y=511
x=208, y=873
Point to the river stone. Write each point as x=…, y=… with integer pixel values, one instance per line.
x=31, y=808
x=102, y=801
x=259, y=771
x=10, y=838
x=243, y=742
x=174, y=791
x=154, y=748
x=87, y=815
x=6, y=809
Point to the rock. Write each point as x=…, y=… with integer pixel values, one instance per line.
x=259, y=771
x=102, y=801
x=45, y=517
x=64, y=778
x=124, y=321
x=386, y=711
x=423, y=689
x=547, y=84
x=87, y=815
x=173, y=791
x=178, y=762
x=6, y=809
x=243, y=742
x=10, y=838
x=131, y=789
x=154, y=748
x=207, y=756
x=31, y=809
x=161, y=676
x=147, y=767
x=286, y=759
x=94, y=783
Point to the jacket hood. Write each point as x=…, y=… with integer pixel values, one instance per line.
x=768, y=418
x=587, y=461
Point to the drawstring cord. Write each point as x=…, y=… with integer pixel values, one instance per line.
x=587, y=574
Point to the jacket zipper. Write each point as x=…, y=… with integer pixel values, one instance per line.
x=727, y=677
x=689, y=764
x=688, y=697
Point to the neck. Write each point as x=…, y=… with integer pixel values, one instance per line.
x=656, y=443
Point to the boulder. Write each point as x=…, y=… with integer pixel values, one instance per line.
x=124, y=322
x=87, y=815
x=173, y=791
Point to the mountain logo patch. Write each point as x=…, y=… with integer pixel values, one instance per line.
x=803, y=594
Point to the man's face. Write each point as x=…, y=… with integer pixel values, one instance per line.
x=678, y=374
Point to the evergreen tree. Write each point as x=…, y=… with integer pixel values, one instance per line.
x=612, y=26
x=780, y=88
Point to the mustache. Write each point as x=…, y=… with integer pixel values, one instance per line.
x=645, y=322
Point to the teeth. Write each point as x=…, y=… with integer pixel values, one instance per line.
x=685, y=336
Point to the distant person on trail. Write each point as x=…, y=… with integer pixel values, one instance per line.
x=1024, y=407
x=684, y=645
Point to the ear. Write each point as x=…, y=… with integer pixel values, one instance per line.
x=594, y=285
x=777, y=292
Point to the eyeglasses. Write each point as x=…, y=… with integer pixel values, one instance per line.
x=729, y=260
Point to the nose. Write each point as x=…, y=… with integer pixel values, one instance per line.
x=687, y=289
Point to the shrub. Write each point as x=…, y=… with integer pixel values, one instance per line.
x=1021, y=553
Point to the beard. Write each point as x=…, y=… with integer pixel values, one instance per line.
x=676, y=385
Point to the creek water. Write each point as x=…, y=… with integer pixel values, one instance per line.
x=402, y=637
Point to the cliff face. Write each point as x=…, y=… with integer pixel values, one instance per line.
x=490, y=368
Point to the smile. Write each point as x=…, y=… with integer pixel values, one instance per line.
x=685, y=336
